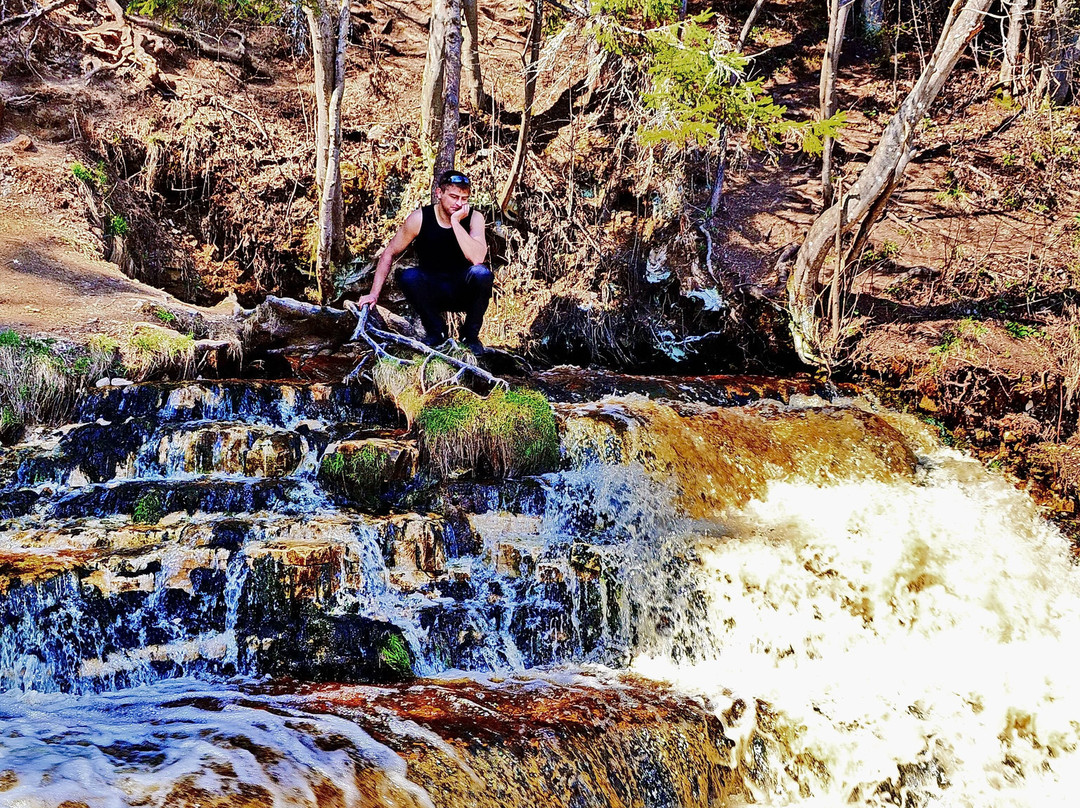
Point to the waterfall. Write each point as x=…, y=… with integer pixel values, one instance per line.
x=802, y=603
x=889, y=643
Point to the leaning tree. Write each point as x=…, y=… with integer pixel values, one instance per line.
x=861, y=204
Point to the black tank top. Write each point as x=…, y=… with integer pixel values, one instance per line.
x=437, y=248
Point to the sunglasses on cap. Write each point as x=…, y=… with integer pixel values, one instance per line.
x=454, y=178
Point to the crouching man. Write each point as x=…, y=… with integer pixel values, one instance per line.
x=450, y=275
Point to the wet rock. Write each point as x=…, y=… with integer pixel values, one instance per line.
x=568, y=384
x=237, y=449
x=271, y=403
x=418, y=549
x=531, y=740
x=370, y=473
x=717, y=457
x=149, y=501
x=18, y=502
x=340, y=648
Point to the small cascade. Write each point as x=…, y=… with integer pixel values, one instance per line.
x=786, y=599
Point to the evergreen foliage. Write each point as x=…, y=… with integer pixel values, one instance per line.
x=698, y=87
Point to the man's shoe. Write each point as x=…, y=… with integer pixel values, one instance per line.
x=475, y=346
x=434, y=341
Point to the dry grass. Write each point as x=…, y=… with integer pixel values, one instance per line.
x=39, y=381
x=149, y=351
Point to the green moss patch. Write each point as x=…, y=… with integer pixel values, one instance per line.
x=363, y=471
x=507, y=433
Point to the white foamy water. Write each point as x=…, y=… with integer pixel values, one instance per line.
x=186, y=743
x=891, y=644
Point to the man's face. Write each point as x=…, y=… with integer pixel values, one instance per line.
x=453, y=198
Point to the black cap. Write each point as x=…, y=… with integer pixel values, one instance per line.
x=454, y=178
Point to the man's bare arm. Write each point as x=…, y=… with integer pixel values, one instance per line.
x=472, y=241
x=404, y=236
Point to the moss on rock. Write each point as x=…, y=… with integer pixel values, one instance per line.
x=508, y=432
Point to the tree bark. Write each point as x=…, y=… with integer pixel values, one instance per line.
x=830, y=63
x=329, y=26
x=431, y=93
x=474, y=81
x=866, y=197
x=531, y=68
x=451, y=102
x=748, y=26
x=1010, y=60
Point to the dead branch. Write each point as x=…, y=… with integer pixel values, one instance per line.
x=36, y=14
x=205, y=45
x=365, y=332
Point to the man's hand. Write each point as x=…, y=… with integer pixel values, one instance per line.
x=460, y=214
x=367, y=300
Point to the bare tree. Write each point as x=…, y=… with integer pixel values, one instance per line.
x=830, y=63
x=1010, y=61
x=451, y=106
x=431, y=93
x=860, y=205
x=328, y=22
x=1059, y=51
x=474, y=81
x=531, y=58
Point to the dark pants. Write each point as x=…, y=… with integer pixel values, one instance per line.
x=432, y=293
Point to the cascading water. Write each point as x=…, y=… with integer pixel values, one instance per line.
x=840, y=612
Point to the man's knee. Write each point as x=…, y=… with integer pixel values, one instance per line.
x=411, y=280
x=480, y=277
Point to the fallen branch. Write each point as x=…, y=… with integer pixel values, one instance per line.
x=36, y=14
x=365, y=332
x=205, y=45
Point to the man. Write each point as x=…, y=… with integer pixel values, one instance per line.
x=450, y=276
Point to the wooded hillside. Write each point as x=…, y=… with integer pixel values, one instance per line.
x=873, y=190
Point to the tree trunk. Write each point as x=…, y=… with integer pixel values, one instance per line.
x=329, y=26
x=1060, y=53
x=1010, y=61
x=830, y=62
x=474, y=82
x=749, y=25
x=431, y=93
x=868, y=193
x=533, y=55
x=873, y=16
x=451, y=104
x=716, y=198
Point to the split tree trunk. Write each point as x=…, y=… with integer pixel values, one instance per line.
x=474, y=81
x=532, y=54
x=1010, y=61
x=329, y=27
x=867, y=196
x=830, y=63
x=451, y=105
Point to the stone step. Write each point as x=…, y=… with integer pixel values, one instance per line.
x=150, y=500
x=137, y=448
x=273, y=403
x=106, y=602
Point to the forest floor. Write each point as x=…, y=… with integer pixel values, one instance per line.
x=965, y=305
